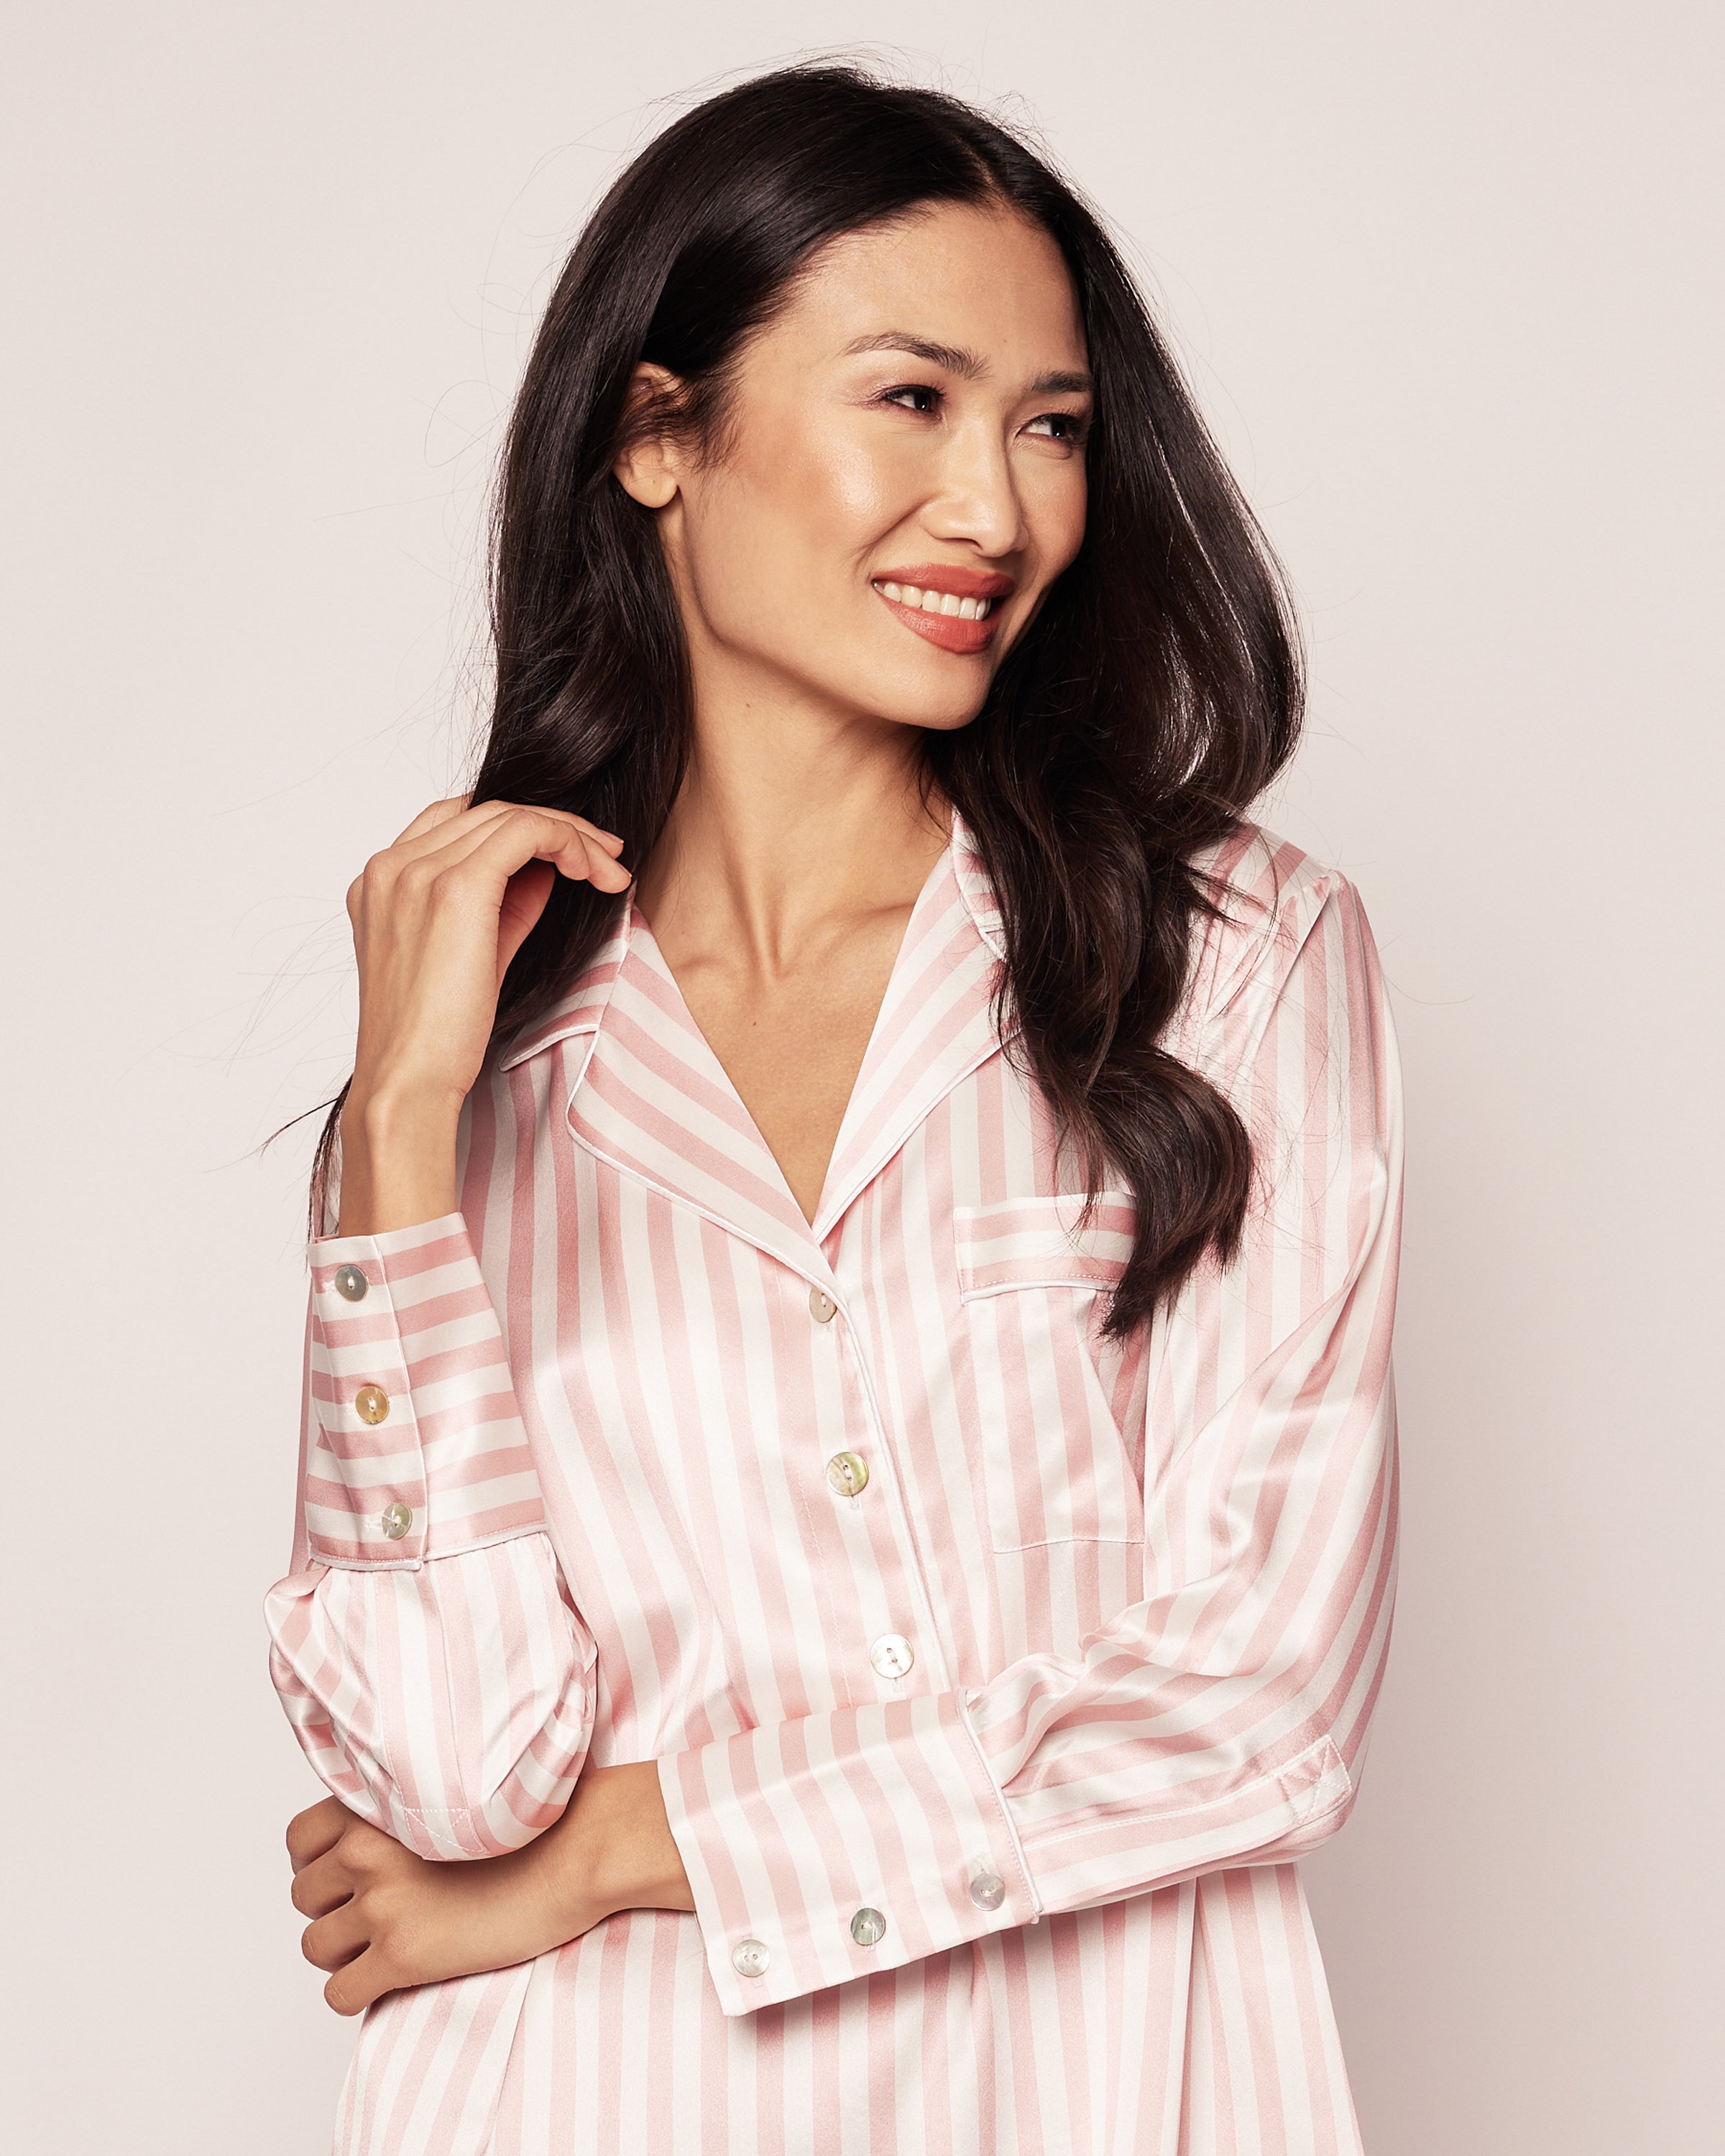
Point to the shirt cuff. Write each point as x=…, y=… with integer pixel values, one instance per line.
x=843, y=1842
x=416, y=1445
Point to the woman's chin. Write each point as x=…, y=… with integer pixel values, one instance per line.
x=932, y=715
x=939, y=694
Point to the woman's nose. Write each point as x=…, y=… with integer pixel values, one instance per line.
x=978, y=499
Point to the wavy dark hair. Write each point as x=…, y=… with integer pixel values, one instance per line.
x=1157, y=693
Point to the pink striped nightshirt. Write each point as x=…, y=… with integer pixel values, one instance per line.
x=997, y=1674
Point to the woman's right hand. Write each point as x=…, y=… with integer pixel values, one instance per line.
x=436, y=918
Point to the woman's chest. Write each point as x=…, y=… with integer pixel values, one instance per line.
x=929, y=1380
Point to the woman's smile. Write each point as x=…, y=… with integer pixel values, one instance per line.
x=953, y=609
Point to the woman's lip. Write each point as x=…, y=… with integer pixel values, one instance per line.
x=936, y=577
x=945, y=629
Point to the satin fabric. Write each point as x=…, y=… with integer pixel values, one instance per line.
x=1059, y=1694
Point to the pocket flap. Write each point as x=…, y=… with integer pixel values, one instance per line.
x=1039, y=1242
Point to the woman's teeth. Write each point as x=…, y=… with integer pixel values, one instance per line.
x=937, y=602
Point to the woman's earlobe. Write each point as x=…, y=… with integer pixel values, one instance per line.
x=645, y=474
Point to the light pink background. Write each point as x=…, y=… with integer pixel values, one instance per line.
x=1442, y=275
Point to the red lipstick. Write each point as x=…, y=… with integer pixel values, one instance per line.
x=949, y=631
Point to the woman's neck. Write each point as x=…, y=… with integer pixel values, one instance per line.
x=789, y=825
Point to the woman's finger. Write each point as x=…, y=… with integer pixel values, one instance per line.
x=504, y=843
x=528, y=835
x=524, y=897
x=310, y=1834
x=352, y=1989
x=432, y=826
x=334, y=1940
x=322, y=1884
x=491, y=813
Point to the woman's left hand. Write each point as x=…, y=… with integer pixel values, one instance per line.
x=385, y=1919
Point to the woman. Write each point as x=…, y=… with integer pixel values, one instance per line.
x=847, y=1533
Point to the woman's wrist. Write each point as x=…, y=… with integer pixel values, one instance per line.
x=613, y=1850
x=397, y=1160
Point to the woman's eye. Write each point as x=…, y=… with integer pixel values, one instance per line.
x=928, y=398
x=1069, y=427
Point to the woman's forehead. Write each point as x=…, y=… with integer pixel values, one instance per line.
x=980, y=283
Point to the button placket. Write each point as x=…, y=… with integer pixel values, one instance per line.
x=891, y=1654
x=906, y=1581
x=847, y=1471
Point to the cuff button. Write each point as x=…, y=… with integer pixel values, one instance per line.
x=350, y=1283
x=987, y=1890
x=396, y=1519
x=749, y=1957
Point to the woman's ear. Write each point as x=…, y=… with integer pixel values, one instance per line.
x=648, y=466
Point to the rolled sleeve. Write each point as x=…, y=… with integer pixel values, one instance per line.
x=415, y=1447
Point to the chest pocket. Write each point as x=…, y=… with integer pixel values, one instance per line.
x=1048, y=1392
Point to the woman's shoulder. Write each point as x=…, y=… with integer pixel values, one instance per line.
x=1267, y=894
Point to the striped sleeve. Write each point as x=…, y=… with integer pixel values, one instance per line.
x=1219, y=1721
x=430, y=1663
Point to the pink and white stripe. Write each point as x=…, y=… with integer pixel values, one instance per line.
x=1145, y=1590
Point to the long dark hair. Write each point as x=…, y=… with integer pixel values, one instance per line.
x=1157, y=693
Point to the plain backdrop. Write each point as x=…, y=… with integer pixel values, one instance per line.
x=1445, y=279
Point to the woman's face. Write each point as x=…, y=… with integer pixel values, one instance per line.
x=902, y=477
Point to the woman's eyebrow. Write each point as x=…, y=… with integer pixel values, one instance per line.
x=951, y=357
x=955, y=360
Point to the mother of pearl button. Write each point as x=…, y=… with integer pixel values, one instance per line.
x=891, y=1655
x=987, y=1890
x=848, y=1472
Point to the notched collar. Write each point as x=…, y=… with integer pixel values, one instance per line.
x=653, y=1099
